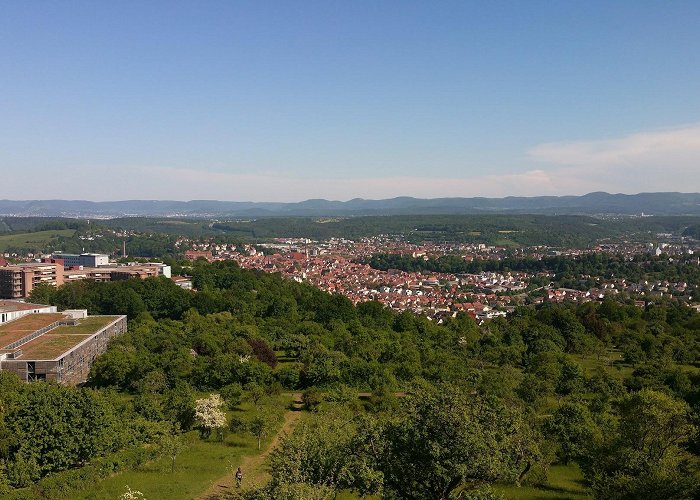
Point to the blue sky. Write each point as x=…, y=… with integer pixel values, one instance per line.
x=284, y=101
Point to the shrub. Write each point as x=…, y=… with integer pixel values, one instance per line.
x=263, y=352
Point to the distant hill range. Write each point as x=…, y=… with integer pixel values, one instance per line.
x=592, y=203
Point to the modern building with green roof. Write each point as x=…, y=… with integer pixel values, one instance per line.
x=56, y=346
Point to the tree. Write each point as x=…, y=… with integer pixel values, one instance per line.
x=10, y=386
x=290, y=491
x=179, y=406
x=255, y=393
x=534, y=389
x=232, y=395
x=57, y=428
x=117, y=298
x=325, y=451
x=571, y=379
x=263, y=352
x=209, y=416
x=116, y=368
x=43, y=294
x=261, y=425
x=5, y=487
x=646, y=456
x=172, y=445
x=573, y=430
x=311, y=398
x=501, y=383
x=446, y=438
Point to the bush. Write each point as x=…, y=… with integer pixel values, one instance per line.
x=21, y=472
x=237, y=424
x=274, y=389
x=312, y=398
x=288, y=376
x=4, y=481
x=263, y=352
x=232, y=394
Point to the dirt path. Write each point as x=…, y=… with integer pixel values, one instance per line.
x=253, y=466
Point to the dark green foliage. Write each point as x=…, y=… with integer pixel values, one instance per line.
x=447, y=438
x=645, y=456
x=57, y=428
x=484, y=392
x=159, y=296
x=327, y=452
x=573, y=429
x=437, y=440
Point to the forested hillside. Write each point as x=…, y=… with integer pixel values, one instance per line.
x=569, y=231
x=451, y=409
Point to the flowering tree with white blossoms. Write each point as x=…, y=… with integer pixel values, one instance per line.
x=209, y=415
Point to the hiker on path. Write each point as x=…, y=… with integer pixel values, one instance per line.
x=239, y=477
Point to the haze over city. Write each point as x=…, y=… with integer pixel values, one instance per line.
x=285, y=101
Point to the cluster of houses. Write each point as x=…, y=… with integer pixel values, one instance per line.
x=333, y=266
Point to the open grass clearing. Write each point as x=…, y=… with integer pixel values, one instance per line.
x=199, y=466
x=611, y=362
x=37, y=240
x=565, y=482
x=256, y=468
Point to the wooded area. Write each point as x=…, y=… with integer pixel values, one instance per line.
x=610, y=386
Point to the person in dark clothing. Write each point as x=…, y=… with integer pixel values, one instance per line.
x=239, y=477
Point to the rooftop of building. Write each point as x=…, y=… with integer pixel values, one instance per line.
x=84, y=254
x=58, y=341
x=64, y=338
x=29, y=265
x=49, y=347
x=13, y=331
x=15, y=305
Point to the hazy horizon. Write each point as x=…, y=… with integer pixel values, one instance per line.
x=332, y=200
x=325, y=199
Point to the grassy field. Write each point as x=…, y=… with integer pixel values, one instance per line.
x=611, y=362
x=565, y=482
x=198, y=466
x=36, y=240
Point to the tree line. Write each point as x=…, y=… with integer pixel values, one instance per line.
x=610, y=386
